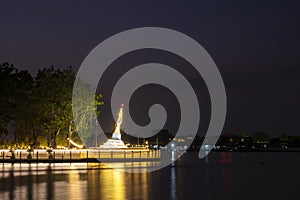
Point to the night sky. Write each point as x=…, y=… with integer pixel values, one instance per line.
x=255, y=45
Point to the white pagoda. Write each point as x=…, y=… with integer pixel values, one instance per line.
x=116, y=142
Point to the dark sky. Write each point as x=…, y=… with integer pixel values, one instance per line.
x=255, y=45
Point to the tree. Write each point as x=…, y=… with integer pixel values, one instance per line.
x=15, y=101
x=40, y=108
x=24, y=113
x=53, y=92
x=85, y=108
x=259, y=137
x=7, y=87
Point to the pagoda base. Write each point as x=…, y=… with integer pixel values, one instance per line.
x=113, y=144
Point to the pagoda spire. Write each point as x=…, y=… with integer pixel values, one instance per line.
x=117, y=132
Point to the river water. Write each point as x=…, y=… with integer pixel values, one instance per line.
x=218, y=176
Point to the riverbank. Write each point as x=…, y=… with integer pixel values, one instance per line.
x=77, y=156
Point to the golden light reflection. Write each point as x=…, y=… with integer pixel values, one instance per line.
x=107, y=184
x=76, y=189
x=113, y=186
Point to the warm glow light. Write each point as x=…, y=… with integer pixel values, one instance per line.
x=75, y=144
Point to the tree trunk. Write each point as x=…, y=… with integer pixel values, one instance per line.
x=54, y=139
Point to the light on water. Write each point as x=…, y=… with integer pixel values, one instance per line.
x=219, y=176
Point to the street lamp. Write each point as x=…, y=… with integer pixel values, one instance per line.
x=172, y=145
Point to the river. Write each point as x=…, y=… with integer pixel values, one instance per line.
x=219, y=176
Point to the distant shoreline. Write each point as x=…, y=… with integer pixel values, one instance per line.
x=255, y=150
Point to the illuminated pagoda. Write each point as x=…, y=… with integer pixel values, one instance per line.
x=116, y=142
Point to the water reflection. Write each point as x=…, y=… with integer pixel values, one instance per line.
x=50, y=184
x=226, y=172
x=219, y=176
x=29, y=184
x=11, y=185
x=110, y=186
x=22, y=182
x=55, y=182
x=173, y=187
